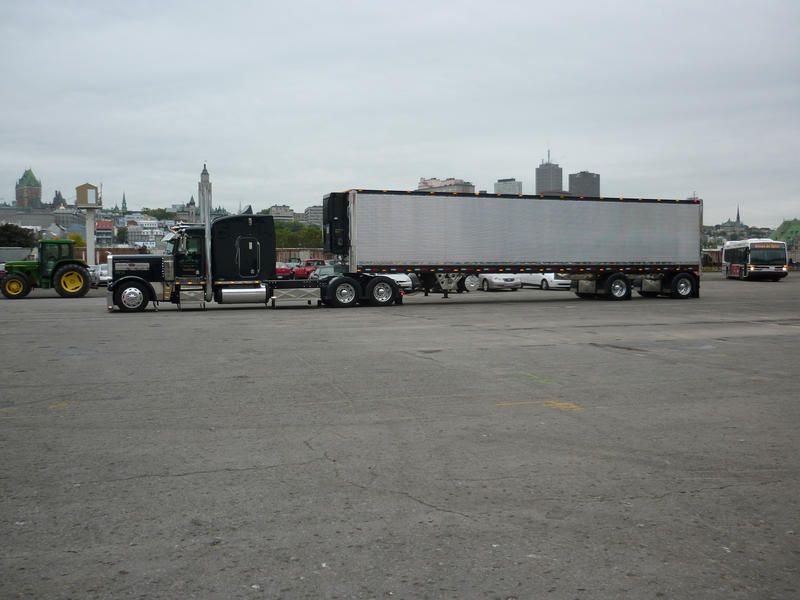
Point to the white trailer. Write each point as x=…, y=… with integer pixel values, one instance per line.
x=606, y=246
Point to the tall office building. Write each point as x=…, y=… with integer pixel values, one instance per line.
x=549, y=177
x=313, y=215
x=584, y=184
x=508, y=186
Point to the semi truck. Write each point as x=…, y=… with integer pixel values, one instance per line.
x=605, y=246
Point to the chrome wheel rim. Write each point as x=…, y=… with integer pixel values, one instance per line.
x=684, y=287
x=132, y=297
x=345, y=293
x=382, y=292
x=619, y=288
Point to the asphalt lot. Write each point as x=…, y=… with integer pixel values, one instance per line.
x=493, y=445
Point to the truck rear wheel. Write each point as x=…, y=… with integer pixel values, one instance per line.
x=380, y=292
x=618, y=287
x=683, y=286
x=15, y=285
x=344, y=292
x=131, y=297
x=71, y=281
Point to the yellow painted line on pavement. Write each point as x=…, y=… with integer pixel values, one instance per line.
x=59, y=406
x=565, y=406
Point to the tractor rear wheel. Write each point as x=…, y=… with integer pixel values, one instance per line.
x=71, y=281
x=15, y=285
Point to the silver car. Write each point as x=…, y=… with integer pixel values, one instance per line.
x=402, y=280
x=499, y=281
x=544, y=281
x=99, y=274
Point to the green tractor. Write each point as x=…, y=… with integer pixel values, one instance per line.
x=56, y=268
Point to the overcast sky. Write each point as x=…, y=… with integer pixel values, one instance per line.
x=287, y=101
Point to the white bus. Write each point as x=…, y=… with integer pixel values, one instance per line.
x=755, y=259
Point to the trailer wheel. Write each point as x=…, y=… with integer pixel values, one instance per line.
x=131, y=297
x=471, y=282
x=71, y=281
x=15, y=285
x=380, y=292
x=683, y=286
x=344, y=292
x=618, y=287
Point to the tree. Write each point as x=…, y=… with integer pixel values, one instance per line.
x=310, y=237
x=122, y=235
x=159, y=213
x=79, y=241
x=14, y=235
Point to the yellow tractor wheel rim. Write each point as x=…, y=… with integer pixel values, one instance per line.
x=14, y=287
x=72, y=281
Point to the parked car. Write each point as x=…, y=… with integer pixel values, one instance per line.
x=105, y=276
x=323, y=271
x=499, y=281
x=94, y=276
x=544, y=281
x=99, y=274
x=283, y=271
x=402, y=280
x=303, y=270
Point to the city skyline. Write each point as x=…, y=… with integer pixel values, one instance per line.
x=287, y=103
x=506, y=186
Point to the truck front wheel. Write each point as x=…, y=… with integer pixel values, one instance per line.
x=71, y=281
x=15, y=286
x=131, y=297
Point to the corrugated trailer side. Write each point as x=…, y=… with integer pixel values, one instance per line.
x=606, y=246
x=407, y=229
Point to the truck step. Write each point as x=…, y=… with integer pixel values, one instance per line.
x=191, y=299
